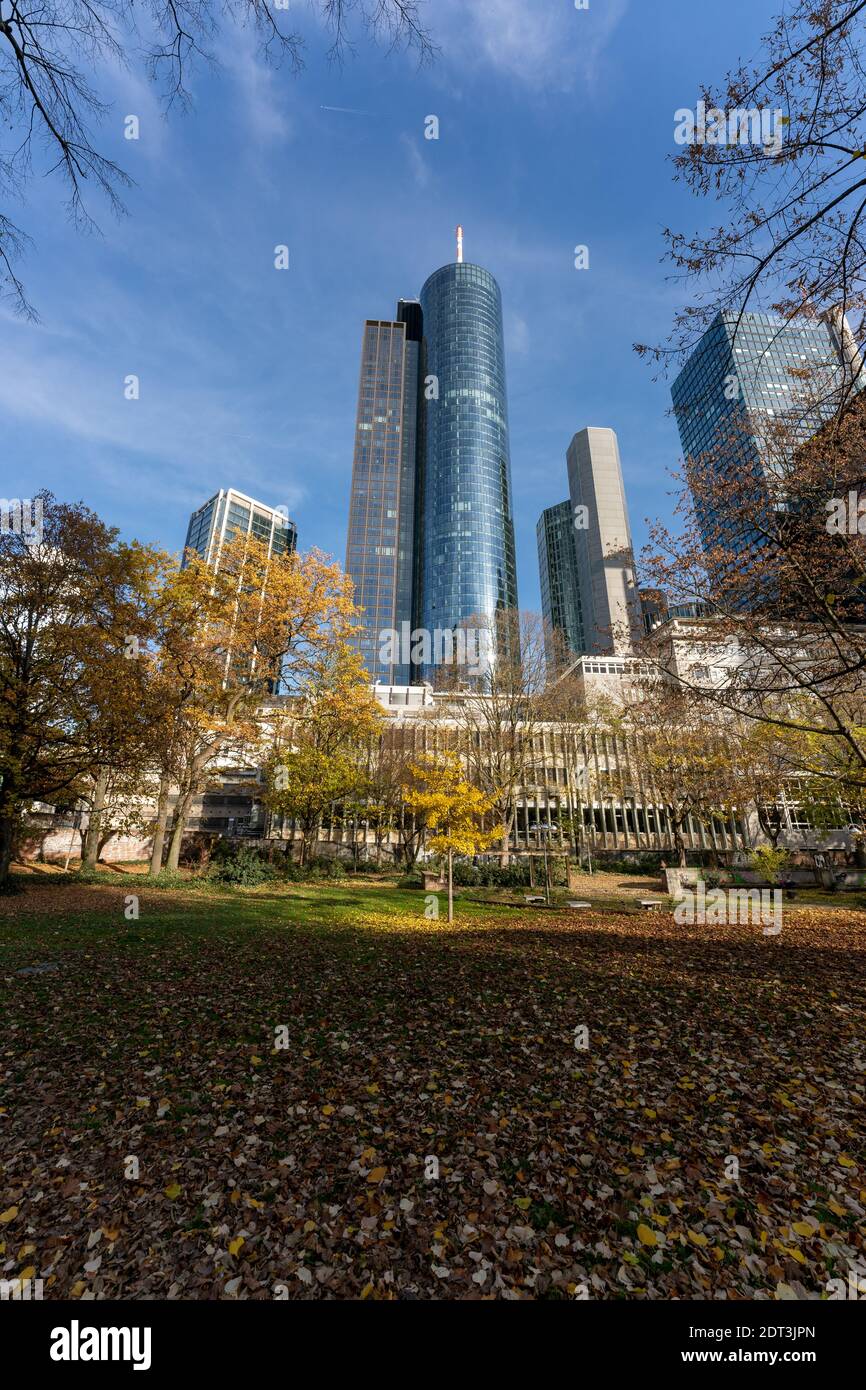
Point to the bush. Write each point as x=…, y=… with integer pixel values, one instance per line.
x=317, y=868
x=465, y=875
x=242, y=866
x=413, y=879
x=488, y=875
x=770, y=863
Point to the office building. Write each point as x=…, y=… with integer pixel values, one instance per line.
x=466, y=561
x=431, y=538
x=560, y=582
x=380, y=547
x=748, y=375
x=230, y=513
x=605, y=560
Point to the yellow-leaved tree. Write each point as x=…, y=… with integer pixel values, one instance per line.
x=454, y=810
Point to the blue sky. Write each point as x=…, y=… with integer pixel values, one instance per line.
x=555, y=129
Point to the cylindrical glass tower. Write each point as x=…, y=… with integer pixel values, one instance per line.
x=465, y=527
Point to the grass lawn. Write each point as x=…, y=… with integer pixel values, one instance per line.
x=412, y=1045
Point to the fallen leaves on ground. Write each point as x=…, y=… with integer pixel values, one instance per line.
x=431, y=1130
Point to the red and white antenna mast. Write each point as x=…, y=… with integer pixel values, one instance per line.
x=459, y=245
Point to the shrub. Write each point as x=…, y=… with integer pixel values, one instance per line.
x=413, y=879
x=243, y=867
x=769, y=862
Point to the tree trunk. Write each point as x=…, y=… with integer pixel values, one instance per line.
x=450, y=885
x=7, y=841
x=104, y=842
x=90, y=853
x=159, y=829
x=178, y=825
x=504, y=856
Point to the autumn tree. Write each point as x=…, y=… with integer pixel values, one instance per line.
x=323, y=746
x=497, y=707
x=684, y=757
x=229, y=637
x=69, y=601
x=783, y=639
x=454, y=810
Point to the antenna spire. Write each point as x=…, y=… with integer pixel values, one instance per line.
x=459, y=245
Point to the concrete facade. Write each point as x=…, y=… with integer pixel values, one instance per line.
x=608, y=592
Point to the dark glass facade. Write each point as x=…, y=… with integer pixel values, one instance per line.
x=742, y=375
x=380, y=545
x=560, y=584
x=465, y=532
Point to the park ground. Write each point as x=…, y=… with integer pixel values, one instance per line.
x=289, y=1066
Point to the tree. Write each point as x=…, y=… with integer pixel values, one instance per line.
x=685, y=758
x=454, y=811
x=69, y=603
x=791, y=236
x=321, y=754
x=49, y=58
x=497, y=710
x=229, y=637
x=784, y=640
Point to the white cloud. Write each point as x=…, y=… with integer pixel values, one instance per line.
x=258, y=87
x=420, y=171
x=516, y=334
x=541, y=45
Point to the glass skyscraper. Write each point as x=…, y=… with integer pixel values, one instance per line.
x=560, y=584
x=431, y=538
x=380, y=549
x=466, y=559
x=746, y=372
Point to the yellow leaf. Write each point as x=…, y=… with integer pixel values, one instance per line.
x=327, y=1109
x=522, y=1202
x=846, y=1162
x=28, y=1273
x=235, y=1245
x=111, y=1232
x=77, y=1289
x=835, y=1208
x=697, y=1239
x=795, y=1254
x=173, y=1190
x=376, y=1174
x=802, y=1229
x=9, y=1214
x=26, y=1250
x=366, y=1291
x=646, y=1235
